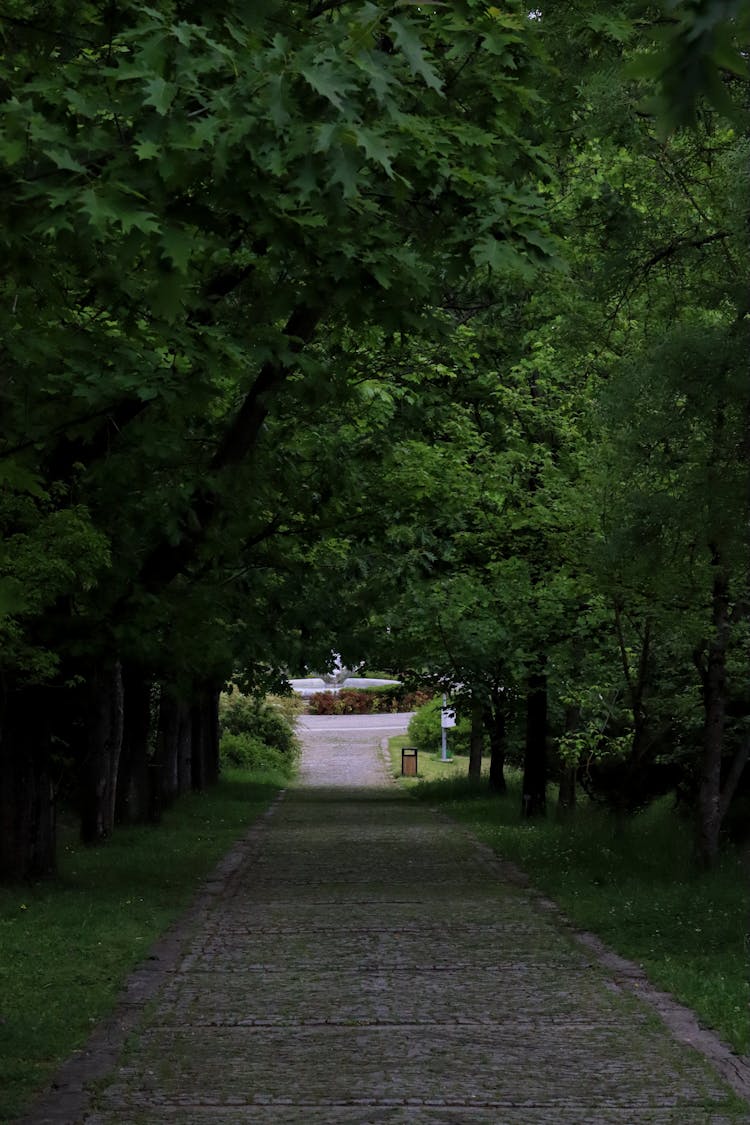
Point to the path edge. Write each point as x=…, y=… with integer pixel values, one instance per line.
x=625, y=975
x=67, y=1098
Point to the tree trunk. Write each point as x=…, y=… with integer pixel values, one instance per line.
x=28, y=824
x=534, y=799
x=156, y=790
x=710, y=810
x=133, y=782
x=204, y=731
x=494, y=721
x=102, y=754
x=212, y=735
x=197, y=746
x=476, y=739
x=566, y=796
x=168, y=742
x=184, y=747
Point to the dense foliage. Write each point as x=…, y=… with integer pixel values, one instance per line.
x=420, y=333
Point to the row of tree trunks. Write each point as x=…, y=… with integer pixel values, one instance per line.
x=174, y=746
x=205, y=739
x=133, y=805
x=103, y=732
x=27, y=800
x=133, y=759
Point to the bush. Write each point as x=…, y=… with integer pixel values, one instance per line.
x=256, y=734
x=290, y=706
x=246, y=752
x=367, y=701
x=425, y=732
x=239, y=714
x=322, y=703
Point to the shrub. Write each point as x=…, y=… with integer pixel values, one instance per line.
x=256, y=734
x=240, y=714
x=353, y=701
x=322, y=703
x=413, y=700
x=367, y=701
x=247, y=752
x=425, y=732
x=290, y=706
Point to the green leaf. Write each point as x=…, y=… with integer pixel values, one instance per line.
x=344, y=172
x=279, y=113
x=20, y=479
x=160, y=95
x=325, y=136
x=496, y=253
x=11, y=151
x=147, y=150
x=99, y=209
x=64, y=160
x=182, y=32
x=408, y=41
x=375, y=148
x=136, y=218
x=328, y=82
x=177, y=247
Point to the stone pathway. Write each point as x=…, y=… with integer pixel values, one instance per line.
x=359, y=962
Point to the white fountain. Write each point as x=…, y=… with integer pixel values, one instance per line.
x=336, y=680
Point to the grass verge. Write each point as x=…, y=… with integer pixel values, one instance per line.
x=67, y=945
x=430, y=767
x=637, y=890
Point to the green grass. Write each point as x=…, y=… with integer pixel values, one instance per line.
x=637, y=890
x=430, y=767
x=67, y=945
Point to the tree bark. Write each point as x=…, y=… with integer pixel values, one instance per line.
x=494, y=719
x=204, y=730
x=102, y=754
x=167, y=559
x=133, y=781
x=168, y=741
x=212, y=722
x=184, y=747
x=566, y=795
x=28, y=822
x=534, y=798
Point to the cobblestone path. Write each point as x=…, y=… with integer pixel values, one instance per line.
x=364, y=964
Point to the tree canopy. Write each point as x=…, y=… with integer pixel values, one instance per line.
x=418, y=332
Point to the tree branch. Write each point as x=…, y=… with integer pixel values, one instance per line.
x=167, y=560
x=683, y=244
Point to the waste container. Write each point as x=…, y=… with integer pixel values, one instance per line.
x=409, y=761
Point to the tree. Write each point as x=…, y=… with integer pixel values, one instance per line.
x=204, y=191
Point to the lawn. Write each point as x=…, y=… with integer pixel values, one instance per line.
x=67, y=944
x=637, y=890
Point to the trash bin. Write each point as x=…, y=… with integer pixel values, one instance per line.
x=409, y=761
